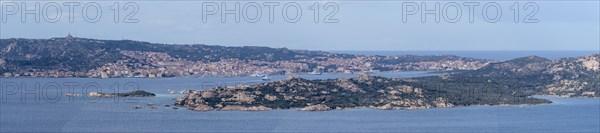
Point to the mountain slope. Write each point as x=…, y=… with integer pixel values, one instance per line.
x=81, y=57
x=364, y=91
x=80, y=54
x=517, y=66
x=566, y=76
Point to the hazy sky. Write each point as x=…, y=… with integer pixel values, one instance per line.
x=362, y=25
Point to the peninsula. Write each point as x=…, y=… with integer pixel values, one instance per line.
x=510, y=82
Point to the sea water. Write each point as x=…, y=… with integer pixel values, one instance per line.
x=27, y=109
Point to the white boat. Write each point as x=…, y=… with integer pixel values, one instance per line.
x=72, y=94
x=315, y=73
x=257, y=75
x=265, y=78
x=372, y=71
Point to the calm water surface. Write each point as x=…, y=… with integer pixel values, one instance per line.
x=21, y=111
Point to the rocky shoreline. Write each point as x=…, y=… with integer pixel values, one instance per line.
x=511, y=82
x=138, y=93
x=333, y=94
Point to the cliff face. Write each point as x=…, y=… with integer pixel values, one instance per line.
x=318, y=95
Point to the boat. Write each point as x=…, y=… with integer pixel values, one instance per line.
x=72, y=94
x=372, y=71
x=257, y=75
x=265, y=78
x=315, y=73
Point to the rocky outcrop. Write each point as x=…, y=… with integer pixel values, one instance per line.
x=320, y=95
x=138, y=93
x=271, y=97
x=202, y=107
x=318, y=107
x=442, y=103
x=565, y=76
x=591, y=62
x=242, y=108
x=185, y=92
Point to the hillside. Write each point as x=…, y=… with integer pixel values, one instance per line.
x=80, y=54
x=502, y=83
x=344, y=93
x=567, y=76
x=81, y=57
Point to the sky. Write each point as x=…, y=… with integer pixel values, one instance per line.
x=353, y=25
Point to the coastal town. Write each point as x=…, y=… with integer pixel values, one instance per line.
x=157, y=65
x=82, y=57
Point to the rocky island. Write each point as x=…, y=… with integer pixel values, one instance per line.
x=344, y=93
x=138, y=93
x=478, y=82
x=511, y=82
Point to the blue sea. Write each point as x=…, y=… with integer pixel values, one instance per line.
x=38, y=105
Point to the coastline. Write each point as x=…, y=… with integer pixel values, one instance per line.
x=560, y=96
x=374, y=108
x=223, y=76
x=350, y=108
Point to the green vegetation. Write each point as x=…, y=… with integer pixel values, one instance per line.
x=365, y=91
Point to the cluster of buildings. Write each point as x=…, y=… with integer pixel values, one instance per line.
x=156, y=64
x=441, y=65
x=44, y=73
